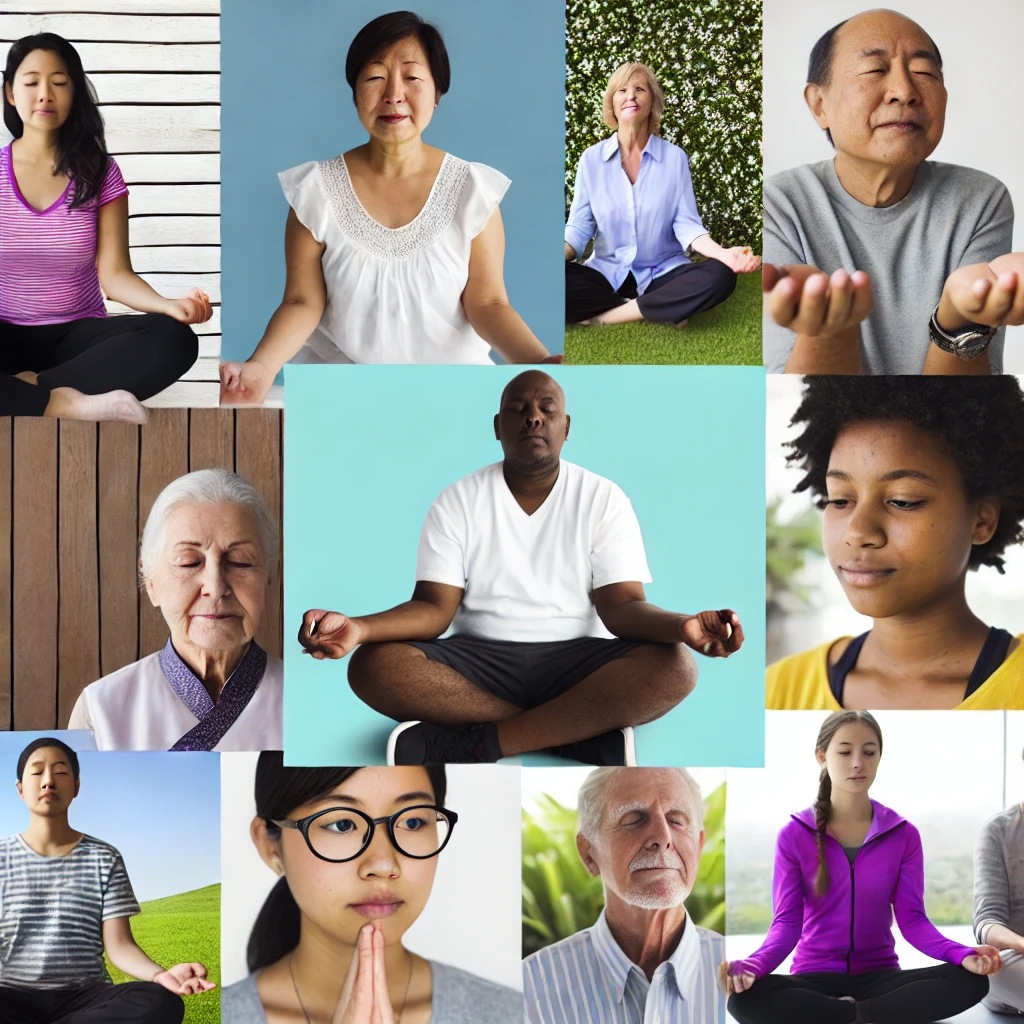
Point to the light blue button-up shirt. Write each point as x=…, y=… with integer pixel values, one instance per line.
x=645, y=228
x=587, y=979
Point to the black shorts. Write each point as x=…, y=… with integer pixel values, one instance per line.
x=525, y=674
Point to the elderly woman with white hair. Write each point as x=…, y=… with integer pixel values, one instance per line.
x=634, y=198
x=208, y=560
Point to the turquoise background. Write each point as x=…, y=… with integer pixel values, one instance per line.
x=368, y=448
x=284, y=101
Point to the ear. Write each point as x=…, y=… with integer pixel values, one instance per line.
x=148, y=581
x=585, y=848
x=497, y=429
x=17, y=786
x=568, y=420
x=986, y=521
x=703, y=839
x=9, y=93
x=267, y=846
x=78, y=786
x=814, y=97
x=820, y=755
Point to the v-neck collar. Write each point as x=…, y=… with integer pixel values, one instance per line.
x=16, y=188
x=541, y=511
x=438, y=179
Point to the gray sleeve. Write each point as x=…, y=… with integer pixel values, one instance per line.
x=993, y=234
x=991, y=882
x=777, y=342
x=118, y=896
x=240, y=1003
x=463, y=998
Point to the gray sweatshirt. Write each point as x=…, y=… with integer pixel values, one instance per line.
x=952, y=217
x=999, y=874
x=459, y=998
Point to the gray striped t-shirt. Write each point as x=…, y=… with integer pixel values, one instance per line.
x=52, y=911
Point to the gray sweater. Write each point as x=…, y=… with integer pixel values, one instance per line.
x=459, y=998
x=999, y=874
x=952, y=217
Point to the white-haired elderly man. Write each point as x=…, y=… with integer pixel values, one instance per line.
x=208, y=561
x=644, y=961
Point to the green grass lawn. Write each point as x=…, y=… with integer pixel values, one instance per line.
x=182, y=929
x=728, y=335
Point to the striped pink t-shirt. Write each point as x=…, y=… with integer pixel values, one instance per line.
x=48, y=257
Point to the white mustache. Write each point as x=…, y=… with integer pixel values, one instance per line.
x=655, y=859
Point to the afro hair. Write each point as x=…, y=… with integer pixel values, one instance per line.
x=979, y=419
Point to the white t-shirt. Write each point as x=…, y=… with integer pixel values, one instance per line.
x=529, y=578
x=394, y=295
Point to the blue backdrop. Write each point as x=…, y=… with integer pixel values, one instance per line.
x=285, y=101
x=368, y=448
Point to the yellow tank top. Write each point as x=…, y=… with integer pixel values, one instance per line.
x=800, y=683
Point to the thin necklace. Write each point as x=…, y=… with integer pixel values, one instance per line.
x=295, y=985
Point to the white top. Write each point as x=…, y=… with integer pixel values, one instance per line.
x=135, y=708
x=394, y=295
x=587, y=979
x=529, y=578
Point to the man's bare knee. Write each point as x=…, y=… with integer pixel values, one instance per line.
x=372, y=666
x=673, y=672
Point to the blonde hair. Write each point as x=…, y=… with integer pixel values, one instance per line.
x=620, y=76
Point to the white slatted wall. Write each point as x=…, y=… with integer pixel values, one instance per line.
x=155, y=65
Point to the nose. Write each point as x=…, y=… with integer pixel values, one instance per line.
x=534, y=416
x=900, y=86
x=214, y=579
x=658, y=835
x=380, y=858
x=863, y=528
x=394, y=91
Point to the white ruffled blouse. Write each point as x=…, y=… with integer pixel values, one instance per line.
x=394, y=295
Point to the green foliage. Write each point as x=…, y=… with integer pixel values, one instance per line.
x=182, y=929
x=787, y=547
x=727, y=335
x=560, y=897
x=707, y=56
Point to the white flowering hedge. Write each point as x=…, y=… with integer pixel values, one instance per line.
x=707, y=56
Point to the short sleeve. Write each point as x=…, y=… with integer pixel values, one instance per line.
x=617, y=552
x=777, y=342
x=118, y=896
x=304, y=191
x=442, y=552
x=686, y=223
x=482, y=192
x=80, y=718
x=113, y=184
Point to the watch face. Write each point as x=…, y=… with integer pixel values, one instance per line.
x=971, y=346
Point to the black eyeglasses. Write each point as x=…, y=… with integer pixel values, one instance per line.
x=339, y=834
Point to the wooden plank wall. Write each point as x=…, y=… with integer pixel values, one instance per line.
x=73, y=500
x=155, y=65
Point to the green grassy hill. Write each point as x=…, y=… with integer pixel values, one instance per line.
x=728, y=334
x=182, y=929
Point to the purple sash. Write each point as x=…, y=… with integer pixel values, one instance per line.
x=214, y=719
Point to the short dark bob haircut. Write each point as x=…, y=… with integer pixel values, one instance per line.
x=47, y=741
x=382, y=33
x=279, y=791
x=980, y=421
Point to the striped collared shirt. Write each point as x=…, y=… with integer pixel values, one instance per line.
x=587, y=979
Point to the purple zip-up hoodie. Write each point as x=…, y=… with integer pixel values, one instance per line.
x=849, y=929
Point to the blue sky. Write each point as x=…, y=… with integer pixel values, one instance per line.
x=161, y=810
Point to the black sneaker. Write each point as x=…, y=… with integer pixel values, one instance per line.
x=424, y=743
x=615, y=747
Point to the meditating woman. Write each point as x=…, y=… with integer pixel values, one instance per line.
x=356, y=849
x=63, y=236
x=921, y=481
x=208, y=561
x=843, y=868
x=634, y=197
x=394, y=249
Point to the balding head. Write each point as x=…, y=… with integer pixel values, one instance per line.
x=531, y=423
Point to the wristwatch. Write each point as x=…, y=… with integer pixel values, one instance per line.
x=968, y=342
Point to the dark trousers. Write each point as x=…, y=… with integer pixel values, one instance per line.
x=141, y=354
x=135, y=1002
x=670, y=298
x=884, y=997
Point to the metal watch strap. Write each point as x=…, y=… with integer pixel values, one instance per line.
x=967, y=343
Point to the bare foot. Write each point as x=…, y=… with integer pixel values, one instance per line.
x=70, y=404
x=28, y=377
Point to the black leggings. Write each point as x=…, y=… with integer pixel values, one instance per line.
x=883, y=997
x=134, y=1002
x=670, y=298
x=141, y=354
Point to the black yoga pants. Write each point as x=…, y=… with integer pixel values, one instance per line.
x=670, y=298
x=134, y=1002
x=883, y=997
x=142, y=354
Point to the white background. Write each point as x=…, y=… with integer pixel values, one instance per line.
x=980, y=43
x=472, y=920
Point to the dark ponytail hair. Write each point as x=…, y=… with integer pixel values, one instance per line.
x=81, y=148
x=279, y=791
x=823, y=802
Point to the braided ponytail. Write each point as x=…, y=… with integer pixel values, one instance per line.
x=823, y=802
